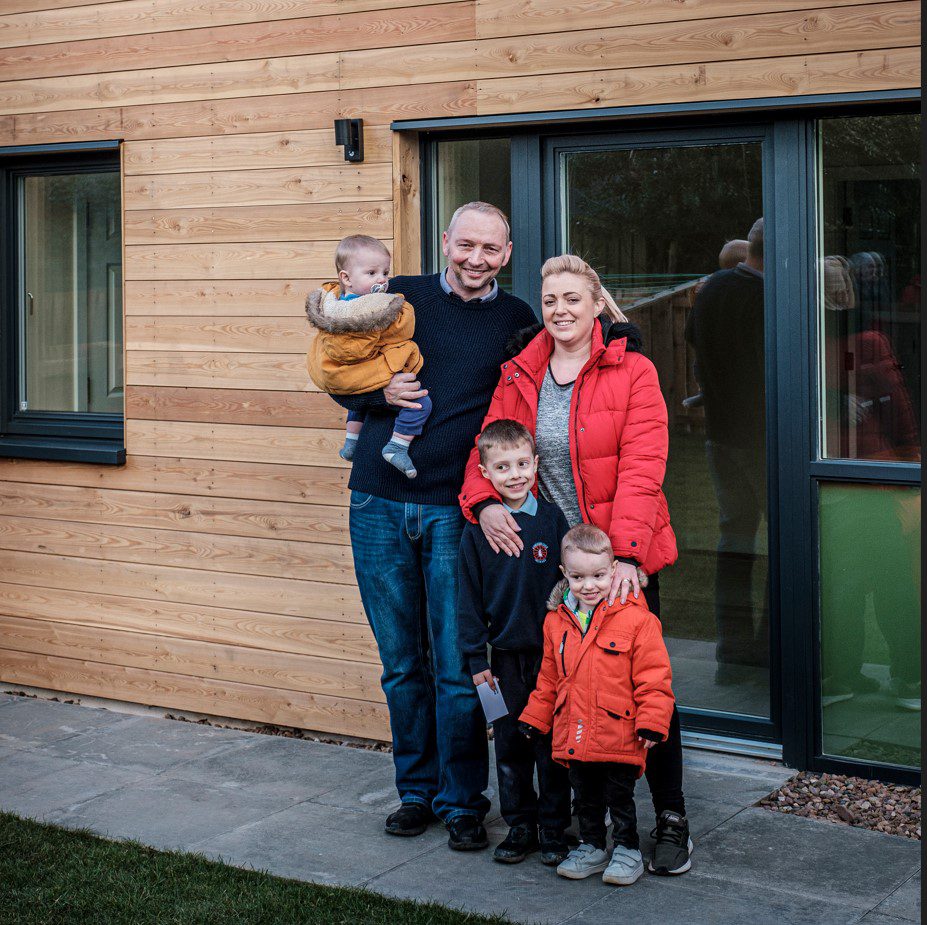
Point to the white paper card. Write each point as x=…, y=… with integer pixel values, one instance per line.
x=492, y=700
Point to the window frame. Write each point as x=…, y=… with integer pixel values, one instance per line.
x=75, y=436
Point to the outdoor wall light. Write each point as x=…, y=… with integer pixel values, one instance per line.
x=350, y=133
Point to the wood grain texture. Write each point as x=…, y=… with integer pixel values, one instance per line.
x=206, y=298
x=224, y=335
x=207, y=478
x=314, y=148
x=325, y=562
x=308, y=35
x=407, y=204
x=215, y=698
x=890, y=69
x=305, y=446
x=197, y=587
x=307, y=523
x=271, y=371
x=273, y=632
x=232, y=406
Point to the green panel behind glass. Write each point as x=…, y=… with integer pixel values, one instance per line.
x=870, y=622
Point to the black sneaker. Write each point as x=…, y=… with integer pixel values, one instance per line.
x=673, y=847
x=409, y=820
x=521, y=841
x=555, y=846
x=466, y=833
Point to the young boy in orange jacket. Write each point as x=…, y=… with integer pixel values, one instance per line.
x=605, y=689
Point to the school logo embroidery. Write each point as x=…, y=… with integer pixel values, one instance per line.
x=539, y=551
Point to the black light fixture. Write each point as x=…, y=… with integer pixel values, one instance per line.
x=350, y=133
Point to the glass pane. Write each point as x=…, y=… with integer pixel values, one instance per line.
x=70, y=317
x=478, y=169
x=871, y=287
x=870, y=622
x=653, y=222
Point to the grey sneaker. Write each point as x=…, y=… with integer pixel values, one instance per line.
x=583, y=861
x=626, y=866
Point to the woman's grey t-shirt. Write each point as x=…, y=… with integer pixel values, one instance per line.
x=555, y=473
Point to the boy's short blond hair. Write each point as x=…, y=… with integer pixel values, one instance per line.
x=504, y=433
x=586, y=538
x=354, y=244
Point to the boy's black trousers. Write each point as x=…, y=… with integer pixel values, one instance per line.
x=600, y=785
x=517, y=757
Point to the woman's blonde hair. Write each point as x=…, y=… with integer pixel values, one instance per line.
x=570, y=263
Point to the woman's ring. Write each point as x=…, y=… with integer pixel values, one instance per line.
x=626, y=581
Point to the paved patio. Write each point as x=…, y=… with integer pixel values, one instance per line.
x=315, y=812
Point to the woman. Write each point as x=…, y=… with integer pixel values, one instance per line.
x=603, y=457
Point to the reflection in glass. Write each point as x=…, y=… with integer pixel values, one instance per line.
x=70, y=306
x=477, y=169
x=870, y=626
x=870, y=287
x=666, y=228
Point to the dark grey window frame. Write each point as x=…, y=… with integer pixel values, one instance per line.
x=74, y=437
x=796, y=465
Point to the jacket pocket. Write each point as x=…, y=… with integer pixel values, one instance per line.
x=615, y=723
x=560, y=725
x=613, y=644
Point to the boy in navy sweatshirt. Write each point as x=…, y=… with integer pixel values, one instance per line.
x=502, y=601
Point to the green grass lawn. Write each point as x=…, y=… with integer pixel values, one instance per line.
x=51, y=876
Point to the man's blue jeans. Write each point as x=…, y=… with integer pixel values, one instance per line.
x=405, y=558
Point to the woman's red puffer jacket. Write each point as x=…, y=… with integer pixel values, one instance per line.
x=618, y=441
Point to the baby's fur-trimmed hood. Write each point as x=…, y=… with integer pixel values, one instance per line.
x=373, y=312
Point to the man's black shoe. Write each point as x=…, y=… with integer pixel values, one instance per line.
x=410, y=819
x=466, y=833
x=555, y=846
x=521, y=841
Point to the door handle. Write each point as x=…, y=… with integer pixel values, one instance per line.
x=31, y=299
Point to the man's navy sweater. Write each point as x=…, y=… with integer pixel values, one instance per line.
x=463, y=346
x=502, y=600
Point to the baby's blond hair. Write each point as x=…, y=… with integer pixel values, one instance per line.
x=348, y=248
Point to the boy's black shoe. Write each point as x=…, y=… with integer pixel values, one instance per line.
x=673, y=847
x=466, y=833
x=410, y=819
x=521, y=841
x=555, y=846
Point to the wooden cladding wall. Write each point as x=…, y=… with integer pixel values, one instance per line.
x=213, y=571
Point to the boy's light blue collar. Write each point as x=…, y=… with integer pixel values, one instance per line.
x=529, y=507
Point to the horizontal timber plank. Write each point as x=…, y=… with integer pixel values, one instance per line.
x=229, y=261
x=299, y=446
x=308, y=523
x=131, y=17
x=273, y=632
x=259, y=151
x=29, y=6
x=207, y=478
x=232, y=406
x=205, y=298
x=295, y=597
x=887, y=69
x=261, y=335
x=274, y=371
x=309, y=35
x=284, y=113
x=325, y=562
x=495, y=18
x=218, y=698
x=287, y=671
x=883, y=25
x=236, y=188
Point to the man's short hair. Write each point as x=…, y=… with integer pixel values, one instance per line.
x=486, y=208
x=586, y=538
x=504, y=433
x=732, y=253
x=755, y=239
x=353, y=244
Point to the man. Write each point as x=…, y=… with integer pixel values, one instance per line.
x=726, y=328
x=405, y=533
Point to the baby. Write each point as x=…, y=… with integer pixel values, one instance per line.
x=364, y=338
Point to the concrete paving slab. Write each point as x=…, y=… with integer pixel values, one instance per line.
x=322, y=843
x=816, y=859
x=31, y=723
x=166, y=813
x=658, y=900
x=878, y=918
x=905, y=902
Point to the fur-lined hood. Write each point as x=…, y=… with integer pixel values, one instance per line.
x=611, y=330
x=373, y=312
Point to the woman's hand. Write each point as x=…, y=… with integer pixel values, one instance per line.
x=501, y=530
x=624, y=582
x=404, y=390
